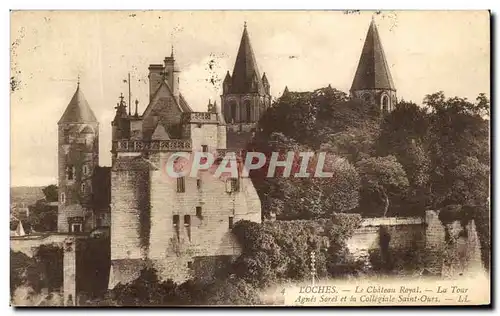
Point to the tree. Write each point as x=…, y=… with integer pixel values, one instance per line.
x=43, y=217
x=383, y=176
x=51, y=193
x=470, y=184
x=458, y=130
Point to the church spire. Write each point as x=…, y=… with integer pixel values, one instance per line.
x=373, y=70
x=245, y=68
x=373, y=81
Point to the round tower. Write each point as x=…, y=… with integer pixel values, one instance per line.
x=78, y=156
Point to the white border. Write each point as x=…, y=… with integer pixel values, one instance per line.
x=188, y=5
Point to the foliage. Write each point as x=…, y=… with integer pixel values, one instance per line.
x=22, y=270
x=458, y=131
x=307, y=197
x=43, y=217
x=44, y=270
x=384, y=177
x=470, y=182
x=51, y=193
x=149, y=290
x=281, y=250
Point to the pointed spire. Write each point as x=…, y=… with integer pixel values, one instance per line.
x=245, y=67
x=78, y=81
x=264, y=79
x=172, y=52
x=136, y=108
x=285, y=92
x=78, y=109
x=373, y=70
x=210, y=106
x=219, y=114
x=228, y=77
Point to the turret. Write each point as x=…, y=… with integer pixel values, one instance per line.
x=78, y=157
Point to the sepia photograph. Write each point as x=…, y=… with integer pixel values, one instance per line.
x=250, y=158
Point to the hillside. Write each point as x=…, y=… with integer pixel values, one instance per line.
x=28, y=195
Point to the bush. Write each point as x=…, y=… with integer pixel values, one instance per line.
x=281, y=250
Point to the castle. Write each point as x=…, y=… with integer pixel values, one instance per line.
x=181, y=225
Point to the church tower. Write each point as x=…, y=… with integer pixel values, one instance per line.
x=246, y=95
x=373, y=81
x=78, y=158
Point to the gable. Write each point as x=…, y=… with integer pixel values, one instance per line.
x=160, y=133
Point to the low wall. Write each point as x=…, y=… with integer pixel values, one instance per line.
x=408, y=240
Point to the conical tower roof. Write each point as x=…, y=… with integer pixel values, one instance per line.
x=78, y=110
x=245, y=68
x=373, y=71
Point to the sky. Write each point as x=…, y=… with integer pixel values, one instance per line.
x=427, y=51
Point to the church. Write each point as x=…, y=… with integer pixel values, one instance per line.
x=180, y=226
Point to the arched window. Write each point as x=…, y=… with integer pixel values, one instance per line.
x=83, y=187
x=385, y=103
x=248, y=111
x=233, y=112
x=85, y=170
x=63, y=198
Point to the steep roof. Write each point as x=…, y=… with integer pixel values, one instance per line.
x=245, y=68
x=373, y=71
x=78, y=110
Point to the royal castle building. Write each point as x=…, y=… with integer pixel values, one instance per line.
x=181, y=226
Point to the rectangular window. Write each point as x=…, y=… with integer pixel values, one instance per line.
x=235, y=184
x=187, y=220
x=181, y=185
x=198, y=184
x=69, y=172
x=187, y=225
x=190, y=264
x=198, y=212
x=204, y=148
x=176, y=225
x=231, y=222
x=76, y=228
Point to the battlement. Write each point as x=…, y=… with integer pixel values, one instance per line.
x=154, y=145
x=200, y=117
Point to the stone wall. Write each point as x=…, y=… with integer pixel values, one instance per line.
x=29, y=245
x=421, y=239
x=205, y=213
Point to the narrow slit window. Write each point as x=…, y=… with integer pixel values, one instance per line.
x=198, y=184
x=181, y=185
x=176, y=224
x=187, y=224
x=231, y=222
